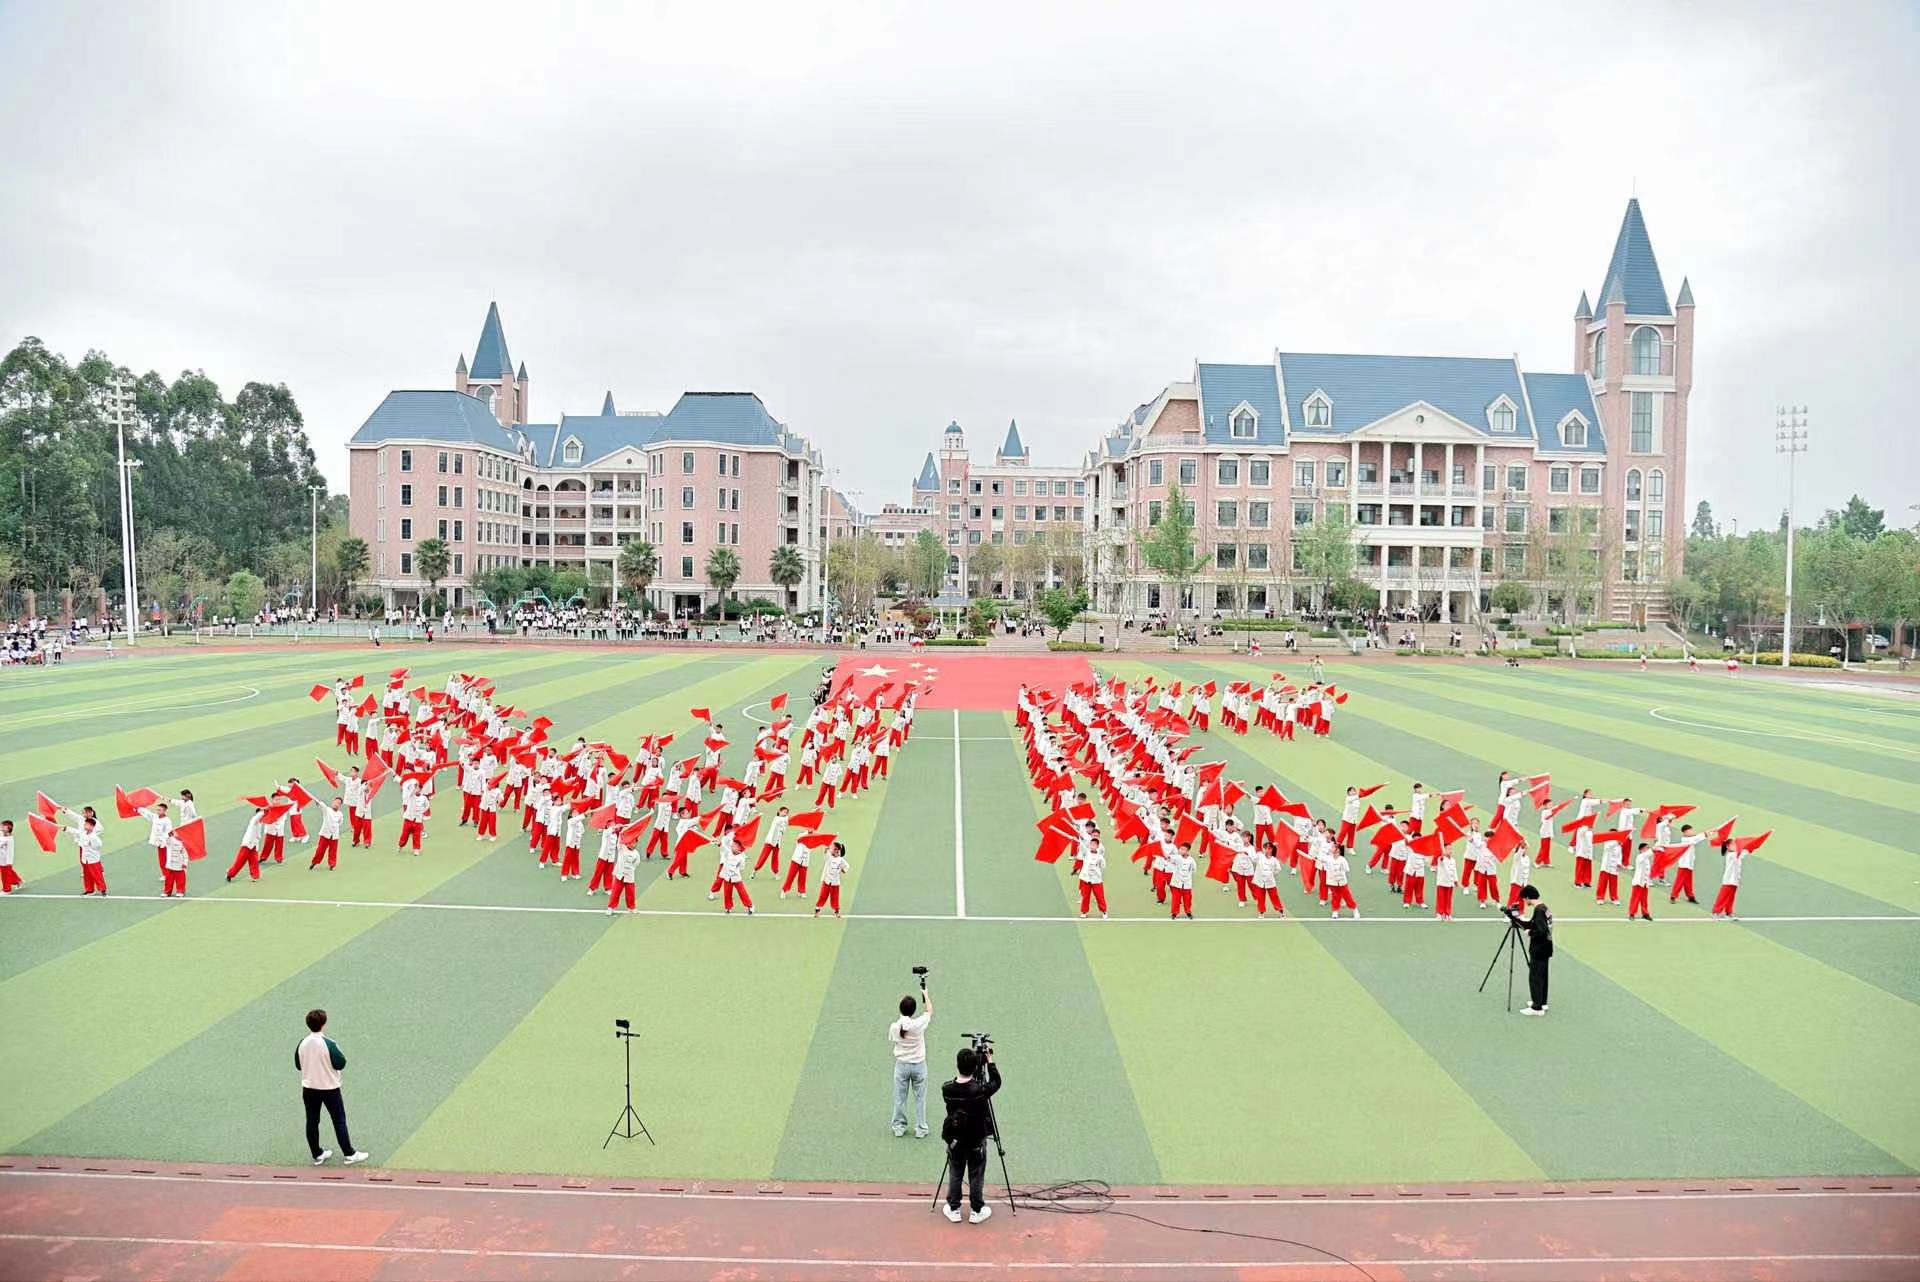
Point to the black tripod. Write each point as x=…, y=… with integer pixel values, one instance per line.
x=625, y=1126
x=1512, y=944
x=993, y=1129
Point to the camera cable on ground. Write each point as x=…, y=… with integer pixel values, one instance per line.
x=1095, y=1197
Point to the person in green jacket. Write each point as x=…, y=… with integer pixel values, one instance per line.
x=319, y=1059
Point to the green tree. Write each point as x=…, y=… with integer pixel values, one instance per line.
x=1352, y=595
x=638, y=563
x=926, y=565
x=1170, y=551
x=1327, y=550
x=1510, y=596
x=431, y=560
x=245, y=594
x=1687, y=599
x=989, y=561
x=1703, y=521
x=1027, y=564
x=501, y=585
x=567, y=586
x=785, y=567
x=351, y=560
x=1858, y=520
x=1890, y=582
x=723, y=571
x=1060, y=607
x=1067, y=555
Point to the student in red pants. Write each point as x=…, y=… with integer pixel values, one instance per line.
x=661, y=830
x=1180, y=884
x=829, y=785
x=796, y=872
x=1093, y=877
x=1445, y=876
x=174, y=875
x=604, y=861
x=1683, y=875
x=489, y=826
x=732, y=879
x=1341, y=893
x=1266, y=882
x=1729, y=882
x=770, y=848
x=831, y=874
x=570, y=856
x=326, y=845
x=623, y=863
x=1413, y=880
x=1642, y=879
x=1543, y=853
x=678, y=866
x=9, y=879
x=249, y=854
x=413, y=819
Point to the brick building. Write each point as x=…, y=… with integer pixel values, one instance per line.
x=467, y=465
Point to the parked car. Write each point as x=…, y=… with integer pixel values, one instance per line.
x=1878, y=642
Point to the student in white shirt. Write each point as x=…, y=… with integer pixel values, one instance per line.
x=9, y=879
x=319, y=1060
x=831, y=874
x=908, y=1036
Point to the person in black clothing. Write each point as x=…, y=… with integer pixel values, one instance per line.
x=966, y=1129
x=1538, y=924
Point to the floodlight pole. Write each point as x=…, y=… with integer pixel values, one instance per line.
x=1790, y=439
x=127, y=575
x=313, y=575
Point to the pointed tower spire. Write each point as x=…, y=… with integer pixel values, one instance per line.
x=1012, y=448
x=460, y=366
x=490, y=359
x=1633, y=273
x=1686, y=293
x=606, y=406
x=929, y=475
x=1584, y=311
x=522, y=375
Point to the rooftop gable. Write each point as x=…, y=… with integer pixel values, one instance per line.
x=1224, y=387
x=1632, y=270
x=1364, y=389
x=449, y=416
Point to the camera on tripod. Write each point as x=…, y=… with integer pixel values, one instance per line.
x=982, y=1042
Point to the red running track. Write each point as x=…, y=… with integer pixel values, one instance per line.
x=75, y=1218
x=963, y=680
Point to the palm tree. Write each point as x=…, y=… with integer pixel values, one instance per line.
x=638, y=564
x=723, y=571
x=350, y=558
x=785, y=566
x=430, y=562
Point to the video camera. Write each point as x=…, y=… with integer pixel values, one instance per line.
x=921, y=971
x=982, y=1042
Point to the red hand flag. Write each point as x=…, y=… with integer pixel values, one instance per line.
x=700, y=714
x=1368, y=792
x=317, y=693
x=45, y=831
x=328, y=773
x=778, y=702
x=808, y=819
x=1665, y=857
x=1724, y=833
x=1504, y=839
x=815, y=840
x=46, y=805
x=603, y=818
x=691, y=840
x=1747, y=845
x=193, y=836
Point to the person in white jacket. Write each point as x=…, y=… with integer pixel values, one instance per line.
x=251, y=840
x=159, y=828
x=1093, y=878
x=327, y=846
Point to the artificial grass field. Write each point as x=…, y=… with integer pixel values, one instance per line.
x=1135, y=1051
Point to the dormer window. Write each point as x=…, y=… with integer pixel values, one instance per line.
x=1244, y=423
x=1501, y=415
x=1319, y=410
x=1573, y=432
x=570, y=452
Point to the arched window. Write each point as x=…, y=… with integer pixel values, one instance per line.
x=1646, y=350
x=1656, y=486
x=1599, y=361
x=1633, y=485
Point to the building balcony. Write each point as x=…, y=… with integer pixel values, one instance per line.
x=1401, y=489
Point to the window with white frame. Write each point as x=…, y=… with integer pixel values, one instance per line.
x=1336, y=474
x=1256, y=556
x=1517, y=477
x=1246, y=424
x=1228, y=471
x=1573, y=433
x=1257, y=514
x=1589, y=480
x=1599, y=350
x=1156, y=471
x=1516, y=519
x=1656, y=486
x=1503, y=419
x=1304, y=472
x=1226, y=512
x=1319, y=410
x=1303, y=514
x=1189, y=471
x=1259, y=471
x=1633, y=485
x=1559, y=480
x=1646, y=350
x=570, y=452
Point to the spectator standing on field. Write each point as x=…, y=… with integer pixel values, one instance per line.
x=320, y=1060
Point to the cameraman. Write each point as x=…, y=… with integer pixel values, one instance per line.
x=1538, y=925
x=967, y=1126
x=909, y=1037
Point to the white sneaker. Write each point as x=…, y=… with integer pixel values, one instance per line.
x=711, y=895
x=951, y=1212
x=1528, y=1010
x=354, y=1159
x=325, y=1153
x=984, y=1213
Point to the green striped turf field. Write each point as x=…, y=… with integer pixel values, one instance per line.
x=1135, y=1050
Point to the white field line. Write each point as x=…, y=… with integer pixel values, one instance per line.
x=116, y=707
x=1318, y=1264
x=1659, y=714
x=959, y=829
x=1291, y=919
x=800, y=1195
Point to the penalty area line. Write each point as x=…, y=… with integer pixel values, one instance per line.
x=1157, y=919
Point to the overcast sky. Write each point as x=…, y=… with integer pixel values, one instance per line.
x=882, y=218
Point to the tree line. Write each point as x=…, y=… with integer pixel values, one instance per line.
x=221, y=487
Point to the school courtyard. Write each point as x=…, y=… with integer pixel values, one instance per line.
x=475, y=995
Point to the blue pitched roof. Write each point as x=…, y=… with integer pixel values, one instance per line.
x=606, y=406
x=1686, y=293
x=1365, y=389
x=1553, y=397
x=730, y=418
x=490, y=359
x=929, y=475
x=1011, y=447
x=1634, y=270
x=1223, y=387
x=453, y=417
